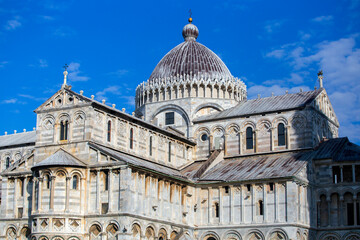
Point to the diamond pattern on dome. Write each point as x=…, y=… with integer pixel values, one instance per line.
x=192, y=58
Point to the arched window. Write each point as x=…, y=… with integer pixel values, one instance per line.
x=217, y=213
x=281, y=134
x=249, y=138
x=64, y=130
x=261, y=207
x=7, y=164
x=150, y=146
x=106, y=181
x=47, y=181
x=131, y=138
x=109, y=131
x=75, y=181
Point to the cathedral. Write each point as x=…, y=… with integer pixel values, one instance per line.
x=196, y=160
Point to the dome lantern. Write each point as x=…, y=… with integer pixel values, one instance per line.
x=190, y=31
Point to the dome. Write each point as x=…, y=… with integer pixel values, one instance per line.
x=191, y=58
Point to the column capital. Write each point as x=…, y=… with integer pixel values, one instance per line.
x=52, y=177
x=68, y=178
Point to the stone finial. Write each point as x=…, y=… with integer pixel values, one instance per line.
x=272, y=94
x=103, y=101
x=142, y=118
x=287, y=92
x=5, y=133
x=301, y=90
x=81, y=92
x=133, y=113
x=113, y=105
x=15, y=131
x=65, y=75
x=24, y=130
x=92, y=97
x=320, y=78
x=315, y=87
x=34, y=129
x=123, y=110
x=258, y=96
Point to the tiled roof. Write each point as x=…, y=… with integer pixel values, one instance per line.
x=60, y=158
x=338, y=149
x=17, y=139
x=139, y=162
x=265, y=105
x=191, y=58
x=265, y=166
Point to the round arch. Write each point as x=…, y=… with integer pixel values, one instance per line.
x=231, y=235
x=210, y=236
x=277, y=234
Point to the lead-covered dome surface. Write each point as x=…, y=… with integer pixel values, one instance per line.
x=191, y=58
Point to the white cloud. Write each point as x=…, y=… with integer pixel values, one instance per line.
x=277, y=53
x=274, y=25
x=9, y=101
x=323, y=19
x=119, y=73
x=3, y=63
x=75, y=74
x=64, y=32
x=112, y=89
x=340, y=61
x=32, y=97
x=47, y=18
x=43, y=63
x=13, y=24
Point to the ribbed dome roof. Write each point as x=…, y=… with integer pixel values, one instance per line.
x=192, y=58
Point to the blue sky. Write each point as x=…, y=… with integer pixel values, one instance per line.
x=112, y=46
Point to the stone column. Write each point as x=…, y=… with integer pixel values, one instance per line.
x=98, y=207
x=240, y=142
x=52, y=193
x=110, y=180
x=242, y=217
x=231, y=196
x=221, y=207
x=353, y=173
x=256, y=134
x=328, y=203
x=82, y=195
x=288, y=142
x=264, y=203
x=26, y=195
x=33, y=195
x=272, y=138
x=355, y=210
x=40, y=186
x=211, y=140
x=226, y=136
x=67, y=194
x=276, y=201
x=253, y=212
x=342, y=211
x=341, y=174
x=209, y=205
x=15, y=197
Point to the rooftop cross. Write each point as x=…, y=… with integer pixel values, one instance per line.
x=190, y=13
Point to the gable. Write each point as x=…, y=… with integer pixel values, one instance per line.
x=63, y=98
x=322, y=103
